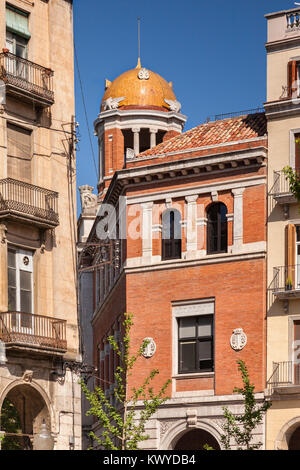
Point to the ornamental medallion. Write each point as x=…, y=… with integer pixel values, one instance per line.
x=238, y=339
x=150, y=349
x=144, y=74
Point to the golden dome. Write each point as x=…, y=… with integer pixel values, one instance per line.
x=138, y=87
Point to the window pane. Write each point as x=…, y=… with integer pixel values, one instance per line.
x=204, y=350
x=187, y=356
x=11, y=277
x=25, y=280
x=11, y=258
x=204, y=326
x=12, y=304
x=187, y=328
x=26, y=301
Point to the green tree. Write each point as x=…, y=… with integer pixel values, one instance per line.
x=10, y=422
x=294, y=181
x=122, y=424
x=238, y=429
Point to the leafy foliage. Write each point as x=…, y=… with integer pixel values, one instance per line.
x=294, y=181
x=123, y=425
x=239, y=429
x=10, y=422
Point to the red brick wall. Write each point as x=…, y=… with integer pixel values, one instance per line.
x=239, y=292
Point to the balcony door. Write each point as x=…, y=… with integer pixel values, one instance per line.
x=20, y=290
x=17, y=45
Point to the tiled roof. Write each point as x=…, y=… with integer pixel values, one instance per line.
x=214, y=133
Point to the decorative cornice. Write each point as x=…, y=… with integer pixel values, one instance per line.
x=282, y=108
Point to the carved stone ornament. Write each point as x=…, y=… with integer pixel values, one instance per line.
x=27, y=376
x=112, y=103
x=143, y=74
x=174, y=105
x=88, y=200
x=3, y=230
x=238, y=339
x=150, y=349
x=130, y=154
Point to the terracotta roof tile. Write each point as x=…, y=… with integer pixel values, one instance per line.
x=214, y=133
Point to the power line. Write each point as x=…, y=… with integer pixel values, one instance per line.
x=85, y=110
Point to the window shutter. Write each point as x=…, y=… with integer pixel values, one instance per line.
x=17, y=21
x=292, y=77
x=290, y=253
x=18, y=153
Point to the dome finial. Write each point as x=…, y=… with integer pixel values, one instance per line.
x=139, y=44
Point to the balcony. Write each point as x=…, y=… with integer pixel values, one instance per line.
x=27, y=203
x=281, y=188
x=26, y=80
x=285, y=378
x=35, y=332
x=286, y=282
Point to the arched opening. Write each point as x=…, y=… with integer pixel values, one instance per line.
x=22, y=414
x=217, y=228
x=171, y=234
x=294, y=441
x=196, y=439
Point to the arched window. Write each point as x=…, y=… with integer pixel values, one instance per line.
x=171, y=234
x=217, y=228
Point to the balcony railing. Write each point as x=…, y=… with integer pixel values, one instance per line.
x=27, y=78
x=28, y=202
x=285, y=377
x=293, y=20
x=35, y=331
x=281, y=187
x=286, y=281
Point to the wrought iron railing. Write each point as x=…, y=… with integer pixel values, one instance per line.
x=284, y=374
x=26, y=75
x=33, y=330
x=286, y=278
x=18, y=197
x=281, y=184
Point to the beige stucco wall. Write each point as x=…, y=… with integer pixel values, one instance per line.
x=50, y=45
x=280, y=154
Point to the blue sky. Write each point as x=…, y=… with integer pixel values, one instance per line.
x=212, y=51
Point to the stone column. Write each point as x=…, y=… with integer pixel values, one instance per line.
x=153, y=133
x=147, y=231
x=136, y=140
x=191, y=225
x=238, y=220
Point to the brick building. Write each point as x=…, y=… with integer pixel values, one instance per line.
x=191, y=230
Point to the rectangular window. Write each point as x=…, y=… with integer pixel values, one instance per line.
x=196, y=341
x=17, y=21
x=20, y=282
x=19, y=153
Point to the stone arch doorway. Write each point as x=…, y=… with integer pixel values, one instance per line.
x=196, y=439
x=22, y=414
x=294, y=440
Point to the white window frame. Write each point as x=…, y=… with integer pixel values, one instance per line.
x=183, y=309
x=20, y=255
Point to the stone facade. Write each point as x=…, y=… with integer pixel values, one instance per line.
x=39, y=321
x=283, y=114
